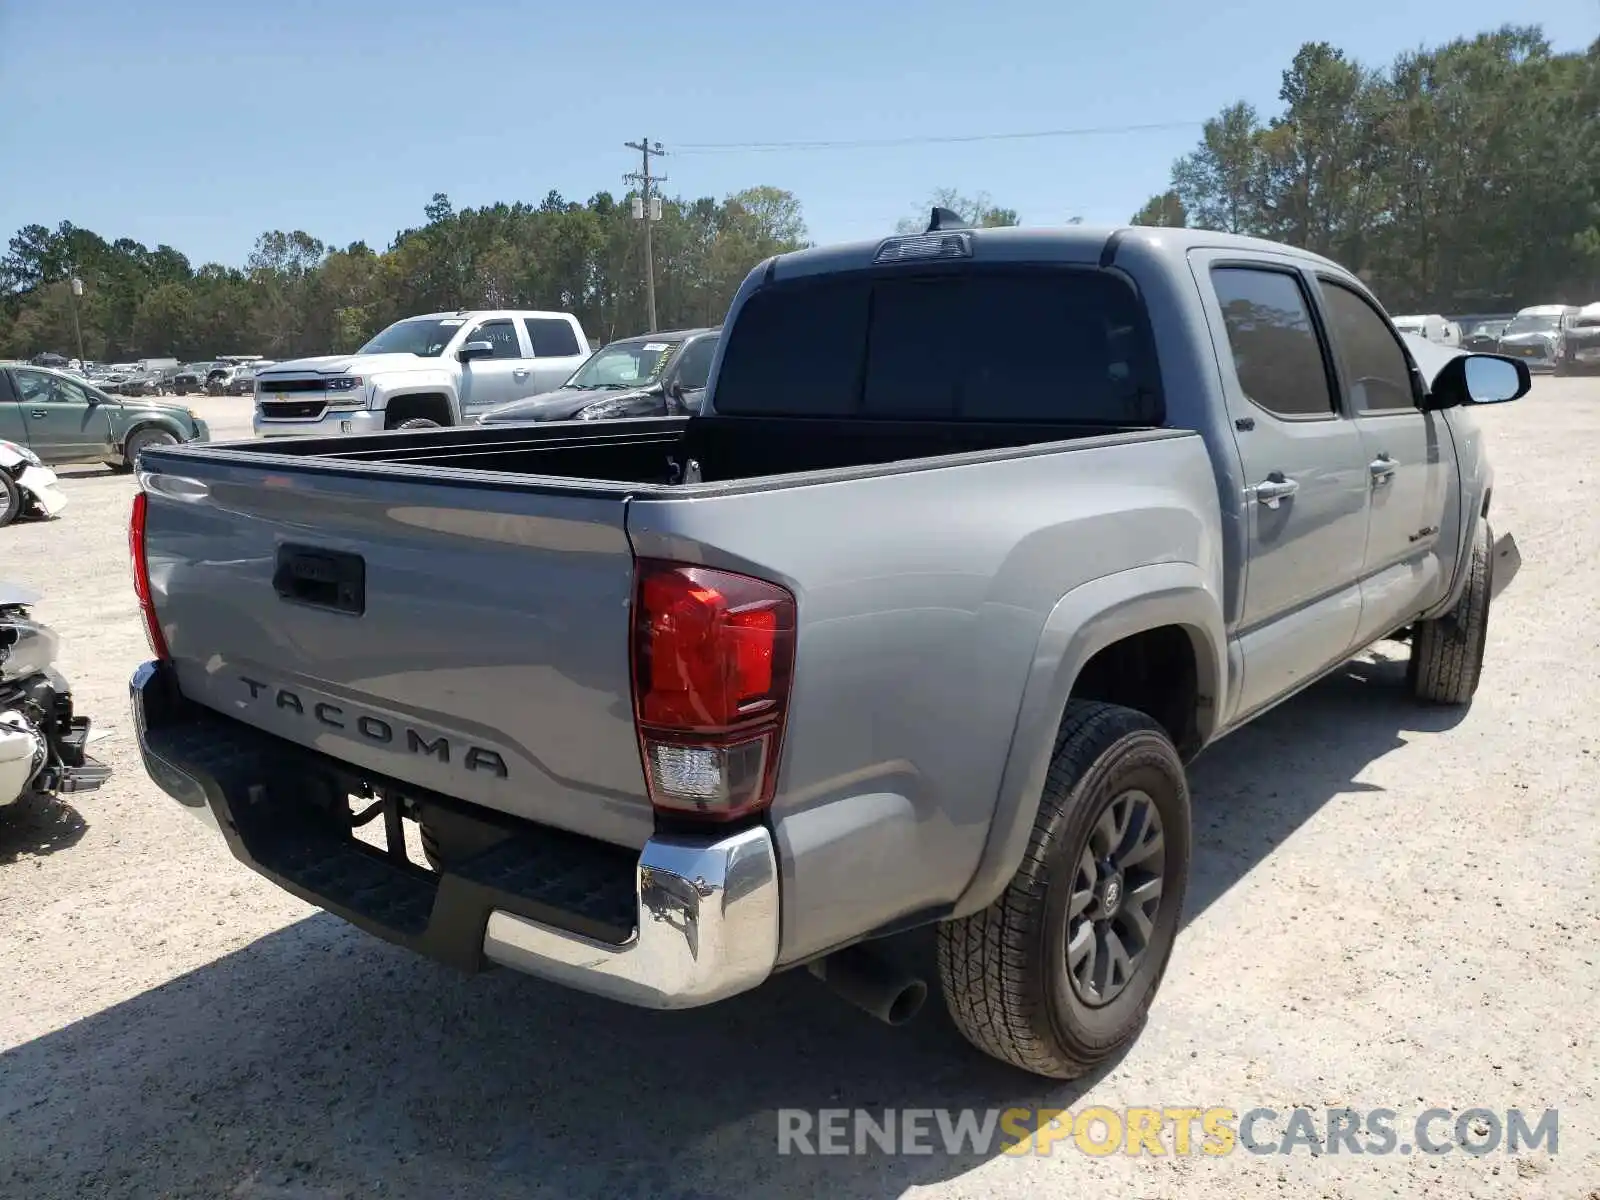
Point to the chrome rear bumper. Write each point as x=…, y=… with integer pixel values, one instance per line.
x=707, y=929
x=705, y=911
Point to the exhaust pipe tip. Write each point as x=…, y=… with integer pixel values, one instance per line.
x=871, y=983
x=907, y=1003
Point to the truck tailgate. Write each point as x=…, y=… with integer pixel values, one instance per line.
x=472, y=640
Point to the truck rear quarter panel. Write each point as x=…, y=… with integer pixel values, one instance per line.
x=923, y=601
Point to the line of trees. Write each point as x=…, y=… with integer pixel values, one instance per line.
x=1461, y=178
x=297, y=296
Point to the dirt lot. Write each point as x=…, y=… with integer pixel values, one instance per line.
x=1391, y=907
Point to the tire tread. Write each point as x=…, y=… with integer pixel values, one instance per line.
x=1447, y=653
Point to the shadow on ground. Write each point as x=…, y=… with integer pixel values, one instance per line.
x=36, y=826
x=317, y=1062
x=83, y=471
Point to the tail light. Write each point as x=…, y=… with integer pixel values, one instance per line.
x=713, y=654
x=141, y=578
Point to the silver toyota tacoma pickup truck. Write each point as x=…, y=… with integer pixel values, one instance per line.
x=979, y=537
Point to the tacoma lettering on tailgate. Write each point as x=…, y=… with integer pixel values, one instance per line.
x=378, y=731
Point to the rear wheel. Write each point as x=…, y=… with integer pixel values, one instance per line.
x=10, y=500
x=1058, y=974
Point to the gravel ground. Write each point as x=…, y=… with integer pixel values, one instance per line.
x=1391, y=907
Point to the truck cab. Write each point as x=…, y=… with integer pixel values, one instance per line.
x=439, y=369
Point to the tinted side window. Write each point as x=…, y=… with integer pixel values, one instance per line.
x=551, y=338
x=1378, y=374
x=1275, y=349
x=502, y=334
x=1056, y=346
x=8, y=394
x=694, y=368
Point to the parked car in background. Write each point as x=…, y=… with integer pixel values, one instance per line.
x=1484, y=336
x=1580, y=345
x=154, y=381
x=1534, y=334
x=420, y=373
x=63, y=419
x=242, y=380
x=1432, y=326
x=655, y=375
x=192, y=377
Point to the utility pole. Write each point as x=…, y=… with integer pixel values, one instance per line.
x=77, y=329
x=647, y=208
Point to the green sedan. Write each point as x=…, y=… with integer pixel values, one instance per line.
x=62, y=419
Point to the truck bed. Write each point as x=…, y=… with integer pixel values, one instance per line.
x=653, y=452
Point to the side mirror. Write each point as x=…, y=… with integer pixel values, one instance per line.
x=476, y=350
x=1479, y=379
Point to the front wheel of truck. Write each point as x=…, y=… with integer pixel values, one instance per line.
x=1058, y=974
x=1447, y=652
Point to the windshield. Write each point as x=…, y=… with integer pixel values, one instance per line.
x=425, y=337
x=1488, y=329
x=625, y=365
x=1532, y=325
x=195, y=367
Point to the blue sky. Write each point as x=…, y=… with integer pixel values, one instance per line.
x=201, y=124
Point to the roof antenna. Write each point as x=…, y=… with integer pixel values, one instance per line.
x=943, y=219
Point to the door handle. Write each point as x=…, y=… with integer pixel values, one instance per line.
x=39, y=412
x=1272, y=490
x=519, y=372
x=1381, y=469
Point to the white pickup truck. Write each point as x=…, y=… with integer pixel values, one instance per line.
x=433, y=370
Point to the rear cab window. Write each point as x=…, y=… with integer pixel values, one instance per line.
x=1037, y=346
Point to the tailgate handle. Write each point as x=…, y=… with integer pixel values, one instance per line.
x=331, y=579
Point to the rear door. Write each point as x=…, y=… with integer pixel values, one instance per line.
x=13, y=428
x=471, y=639
x=503, y=377
x=1408, y=457
x=556, y=352
x=63, y=426
x=1306, y=481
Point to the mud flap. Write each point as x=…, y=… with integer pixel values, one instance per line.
x=1504, y=562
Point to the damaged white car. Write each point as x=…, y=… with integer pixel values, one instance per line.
x=27, y=486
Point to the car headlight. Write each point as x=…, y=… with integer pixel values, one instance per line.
x=344, y=383
x=597, y=412
x=27, y=456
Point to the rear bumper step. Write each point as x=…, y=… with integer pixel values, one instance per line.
x=691, y=921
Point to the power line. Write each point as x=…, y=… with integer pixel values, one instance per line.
x=927, y=140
